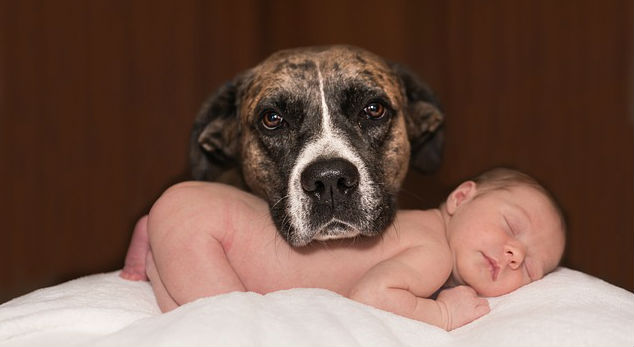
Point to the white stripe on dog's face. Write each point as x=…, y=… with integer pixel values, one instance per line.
x=328, y=144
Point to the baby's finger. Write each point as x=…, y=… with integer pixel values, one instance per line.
x=481, y=310
x=482, y=302
x=469, y=290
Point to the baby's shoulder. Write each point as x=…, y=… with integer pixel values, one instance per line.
x=423, y=227
x=426, y=256
x=424, y=230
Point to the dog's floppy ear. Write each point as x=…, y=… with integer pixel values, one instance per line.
x=215, y=137
x=424, y=122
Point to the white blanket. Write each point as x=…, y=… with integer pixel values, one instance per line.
x=565, y=308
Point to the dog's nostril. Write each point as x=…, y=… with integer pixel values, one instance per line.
x=316, y=188
x=346, y=183
x=309, y=185
x=330, y=180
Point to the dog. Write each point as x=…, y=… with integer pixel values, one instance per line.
x=324, y=134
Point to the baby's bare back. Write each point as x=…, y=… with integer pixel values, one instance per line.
x=265, y=263
x=208, y=239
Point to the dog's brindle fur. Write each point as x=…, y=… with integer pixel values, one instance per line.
x=328, y=167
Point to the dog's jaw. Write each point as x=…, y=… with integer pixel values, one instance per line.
x=329, y=144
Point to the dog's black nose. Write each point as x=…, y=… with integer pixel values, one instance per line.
x=330, y=181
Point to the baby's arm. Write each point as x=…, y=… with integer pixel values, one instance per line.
x=463, y=305
x=402, y=285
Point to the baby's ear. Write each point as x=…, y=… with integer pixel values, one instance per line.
x=463, y=193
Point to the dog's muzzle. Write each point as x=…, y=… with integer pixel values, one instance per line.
x=332, y=188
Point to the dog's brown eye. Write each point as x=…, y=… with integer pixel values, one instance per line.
x=374, y=110
x=272, y=120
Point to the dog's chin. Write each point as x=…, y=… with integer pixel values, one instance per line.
x=336, y=230
x=321, y=227
x=329, y=231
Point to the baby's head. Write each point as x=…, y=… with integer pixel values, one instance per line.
x=505, y=230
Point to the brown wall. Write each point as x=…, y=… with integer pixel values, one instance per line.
x=97, y=99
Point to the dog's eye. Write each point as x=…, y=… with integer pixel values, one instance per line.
x=272, y=120
x=374, y=110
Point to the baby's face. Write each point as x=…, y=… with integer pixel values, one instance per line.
x=504, y=239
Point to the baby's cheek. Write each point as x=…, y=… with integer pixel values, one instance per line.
x=507, y=286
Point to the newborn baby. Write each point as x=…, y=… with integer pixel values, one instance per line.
x=492, y=235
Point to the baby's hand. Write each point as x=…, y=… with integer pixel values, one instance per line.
x=462, y=305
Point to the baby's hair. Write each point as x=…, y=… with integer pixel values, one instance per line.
x=504, y=178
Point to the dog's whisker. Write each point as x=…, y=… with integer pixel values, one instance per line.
x=279, y=200
x=395, y=226
x=411, y=194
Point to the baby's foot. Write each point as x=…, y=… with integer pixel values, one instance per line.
x=134, y=268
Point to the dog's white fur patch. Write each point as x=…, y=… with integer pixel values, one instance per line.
x=329, y=144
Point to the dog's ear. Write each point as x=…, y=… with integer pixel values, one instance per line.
x=215, y=137
x=424, y=122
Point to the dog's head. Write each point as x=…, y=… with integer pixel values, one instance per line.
x=324, y=134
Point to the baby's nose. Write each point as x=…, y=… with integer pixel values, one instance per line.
x=514, y=256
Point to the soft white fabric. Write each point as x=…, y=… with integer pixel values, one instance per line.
x=565, y=308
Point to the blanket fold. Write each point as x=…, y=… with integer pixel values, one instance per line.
x=567, y=307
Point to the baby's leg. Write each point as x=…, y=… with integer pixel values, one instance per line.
x=134, y=268
x=187, y=228
x=163, y=297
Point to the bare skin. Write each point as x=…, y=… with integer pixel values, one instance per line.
x=208, y=239
x=134, y=268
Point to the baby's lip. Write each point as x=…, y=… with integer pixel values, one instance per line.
x=494, y=268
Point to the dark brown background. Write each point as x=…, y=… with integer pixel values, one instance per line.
x=97, y=99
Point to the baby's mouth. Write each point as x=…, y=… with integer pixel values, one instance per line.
x=493, y=267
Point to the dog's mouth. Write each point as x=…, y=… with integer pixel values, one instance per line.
x=359, y=215
x=336, y=229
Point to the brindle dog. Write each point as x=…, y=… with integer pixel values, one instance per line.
x=325, y=135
